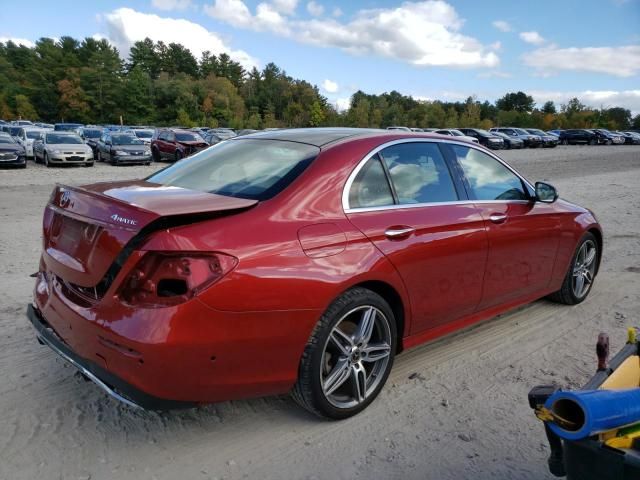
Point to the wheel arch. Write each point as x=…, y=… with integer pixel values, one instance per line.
x=393, y=298
x=598, y=234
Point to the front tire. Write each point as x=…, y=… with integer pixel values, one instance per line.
x=46, y=160
x=348, y=357
x=582, y=272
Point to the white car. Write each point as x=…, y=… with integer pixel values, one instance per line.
x=144, y=134
x=452, y=132
x=26, y=137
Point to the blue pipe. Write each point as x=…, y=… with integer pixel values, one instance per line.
x=593, y=411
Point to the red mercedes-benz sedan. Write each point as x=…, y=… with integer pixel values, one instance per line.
x=297, y=260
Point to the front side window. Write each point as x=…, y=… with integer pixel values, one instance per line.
x=252, y=169
x=488, y=178
x=419, y=173
x=370, y=188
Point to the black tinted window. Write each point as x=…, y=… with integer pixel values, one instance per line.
x=489, y=179
x=370, y=188
x=419, y=173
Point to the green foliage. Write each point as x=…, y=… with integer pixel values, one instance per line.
x=518, y=101
x=164, y=84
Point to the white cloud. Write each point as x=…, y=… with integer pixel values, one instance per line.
x=619, y=61
x=125, y=26
x=532, y=37
x=343, y=103
x=287, y=7
x=425, y=33
x=593, y=98
x=337, y=12
x=171, y=4
x=315, y=8
x=330, y=86
x=18, y=41
x=502, y=25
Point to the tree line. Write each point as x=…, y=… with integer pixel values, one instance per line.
x=165, y=84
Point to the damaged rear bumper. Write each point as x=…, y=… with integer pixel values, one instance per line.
x=107, y=381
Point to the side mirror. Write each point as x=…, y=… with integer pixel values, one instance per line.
x=546, y=193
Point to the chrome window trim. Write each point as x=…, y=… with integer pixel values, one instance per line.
x=356, y=170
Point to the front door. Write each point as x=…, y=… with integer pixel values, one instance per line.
x=523, y=234
x=411, y=207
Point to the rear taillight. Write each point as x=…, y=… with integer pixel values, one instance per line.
x=163, y=279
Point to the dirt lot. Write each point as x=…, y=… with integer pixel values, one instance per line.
x=453, y=409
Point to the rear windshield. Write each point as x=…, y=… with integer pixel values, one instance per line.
x=92, y=133
x=188, y=137
x=125, y=140
x=14, y=130
x=33, y=134
x=249, y=168
x=66, y=127
x=143, y=133
x=56, y=138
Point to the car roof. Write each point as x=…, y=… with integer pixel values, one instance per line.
x=314, y=136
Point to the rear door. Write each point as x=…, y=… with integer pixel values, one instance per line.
x=523, y=234
x=407, y=202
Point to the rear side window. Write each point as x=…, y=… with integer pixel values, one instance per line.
x=249, y=168
x=489, y=179
x=419, y=173
x=370, y=188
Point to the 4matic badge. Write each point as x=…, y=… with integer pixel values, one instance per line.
x=127, y=221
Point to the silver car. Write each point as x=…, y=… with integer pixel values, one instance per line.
x=60, y=148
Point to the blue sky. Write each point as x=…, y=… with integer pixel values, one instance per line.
x=429, y=49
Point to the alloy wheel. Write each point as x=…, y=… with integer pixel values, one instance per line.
x=355, y=357
x=584, y=269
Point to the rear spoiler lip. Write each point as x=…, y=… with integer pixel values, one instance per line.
x=241, y=204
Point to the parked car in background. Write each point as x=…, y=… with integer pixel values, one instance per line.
x=548, y=141
x=212, y=138
x=415, y=129
x=623, y=138
x=62, y=148
x=401, y=129
x=144, y=134
x=13, y=130
x=91, y=136
x=616, y=137
x=120, y=148
x=12, y=154
x=67, y=127
x=224, y=133
x=627, y=137
x=175, y=144
x=555, y=132
x=246, y=131
x=510, y=142
x=255, y=292
x=452, y=132
x=575, y=136
x=530, y=140
x=484, y=137
x=47, y=126
x=22, y=123
x=635, y=137
x=26, y=136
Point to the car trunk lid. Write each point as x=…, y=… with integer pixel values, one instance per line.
x=87, y=230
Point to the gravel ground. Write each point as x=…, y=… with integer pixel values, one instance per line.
x=452, y=409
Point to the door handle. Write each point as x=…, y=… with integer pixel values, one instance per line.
x=497, y=217
x=398, y=232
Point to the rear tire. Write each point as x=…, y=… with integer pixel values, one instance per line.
x=564, y=141
x=178, y=155
x=348, y=357
x=592, y=141
x=583, y=264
